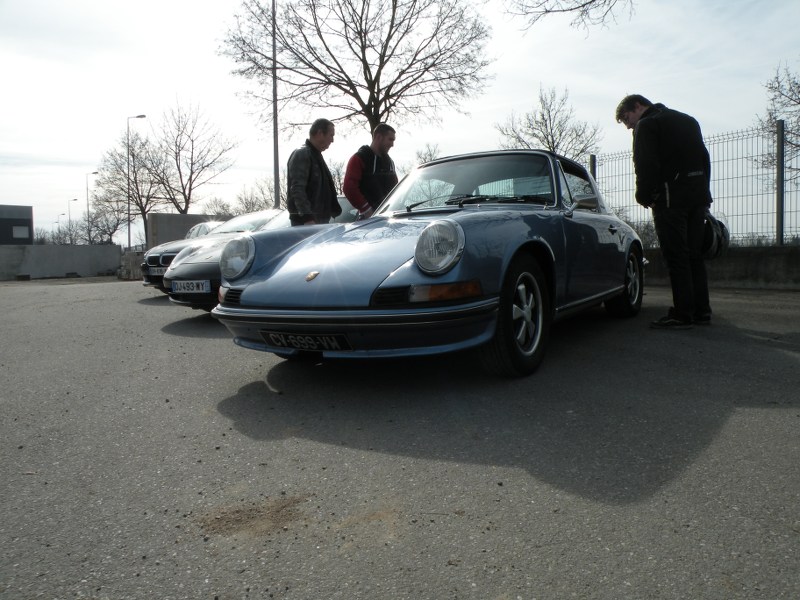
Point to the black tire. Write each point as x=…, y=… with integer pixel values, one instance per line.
x=523, y=321
x=629, y=301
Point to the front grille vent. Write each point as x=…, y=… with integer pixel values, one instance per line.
x=397, y=296
x=233, y=296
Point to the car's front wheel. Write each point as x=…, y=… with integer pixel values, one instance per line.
x=629, y=301
x=523, y=322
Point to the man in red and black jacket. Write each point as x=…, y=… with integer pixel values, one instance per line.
x=370, y=173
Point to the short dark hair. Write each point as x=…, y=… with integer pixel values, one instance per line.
x=320, y=125
x=382, y=129
x=628, y=103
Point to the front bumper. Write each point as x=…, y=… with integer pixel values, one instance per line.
x=370, y=333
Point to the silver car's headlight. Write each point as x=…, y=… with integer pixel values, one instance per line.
x=439, y=247
x=237, y=256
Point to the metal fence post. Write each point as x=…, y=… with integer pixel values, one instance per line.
x=780, y=160
x=593, y=166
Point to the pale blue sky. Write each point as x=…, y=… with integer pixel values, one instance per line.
x=72, y=72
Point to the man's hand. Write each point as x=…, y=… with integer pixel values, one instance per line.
x=366, y=213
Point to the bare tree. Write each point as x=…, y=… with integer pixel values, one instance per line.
x=259, y=196
x=783, y=92
x=41, y=236
x=377, y=60
x=551, y=126
x=189, y=154
x=427, y=153
x=584, y=13
x=131, y=157
x=219, y=207
x=337, y=169
x=423, y=155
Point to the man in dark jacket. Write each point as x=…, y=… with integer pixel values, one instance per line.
x=311, y=194
x=673, y=174
x=370, y=173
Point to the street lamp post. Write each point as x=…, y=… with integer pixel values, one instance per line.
x=128, y=153
x=88, y=214
x=276, y=175
x=69, y=220
x=69, y=210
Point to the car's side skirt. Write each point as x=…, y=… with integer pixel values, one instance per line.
x=583, y=304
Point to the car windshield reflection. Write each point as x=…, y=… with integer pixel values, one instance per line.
x=505, y=178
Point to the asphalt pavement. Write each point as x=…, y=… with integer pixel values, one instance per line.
x=144, y=455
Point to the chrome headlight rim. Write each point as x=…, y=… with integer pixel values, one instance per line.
x=439, y=247
x=237, y=257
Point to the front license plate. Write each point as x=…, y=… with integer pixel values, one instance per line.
x=156, y=270
x=317, y=342
x=191, y=287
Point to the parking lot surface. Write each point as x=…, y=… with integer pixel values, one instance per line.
x=144, y=455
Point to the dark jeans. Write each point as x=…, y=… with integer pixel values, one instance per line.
x=680, y=234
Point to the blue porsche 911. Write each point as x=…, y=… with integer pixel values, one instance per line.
x=480, y=251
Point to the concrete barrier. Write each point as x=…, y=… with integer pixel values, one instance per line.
x=48, y=260
x=769, y=267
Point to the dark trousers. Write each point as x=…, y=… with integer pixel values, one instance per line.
x=680, y=234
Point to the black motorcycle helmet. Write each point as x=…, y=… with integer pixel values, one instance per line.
x=716, y=237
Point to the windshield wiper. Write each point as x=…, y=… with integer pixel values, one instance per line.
x=530, y=198
x=451, y=200
x=468, y=199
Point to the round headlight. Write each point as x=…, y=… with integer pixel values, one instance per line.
x=439, y=247
x=237, y=256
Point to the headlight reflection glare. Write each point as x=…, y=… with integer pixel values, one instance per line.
x=439, y=247
x=237, y=256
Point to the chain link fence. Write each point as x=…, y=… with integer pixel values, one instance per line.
x=760, y=205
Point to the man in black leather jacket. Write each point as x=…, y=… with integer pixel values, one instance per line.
x=673, y=174
x=311, y=193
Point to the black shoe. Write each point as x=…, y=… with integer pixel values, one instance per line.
x=702, y=320
x=671, y=322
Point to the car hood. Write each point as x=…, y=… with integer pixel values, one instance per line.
x=340, y=267
x=207, y=249
x=178, y=245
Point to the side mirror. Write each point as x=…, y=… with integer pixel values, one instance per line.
x=587, y=202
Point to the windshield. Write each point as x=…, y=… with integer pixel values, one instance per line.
x=248, y=222
x=499, y=178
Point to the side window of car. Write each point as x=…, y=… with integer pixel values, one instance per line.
x=575, y=185
x=565, y=192
x=578, y=185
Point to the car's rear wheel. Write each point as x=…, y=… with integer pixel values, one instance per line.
x=523, y=321
x=629, y=301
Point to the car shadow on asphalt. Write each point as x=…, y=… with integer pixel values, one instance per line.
x=615, y=413
x=195, y=324
x=155, y=300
